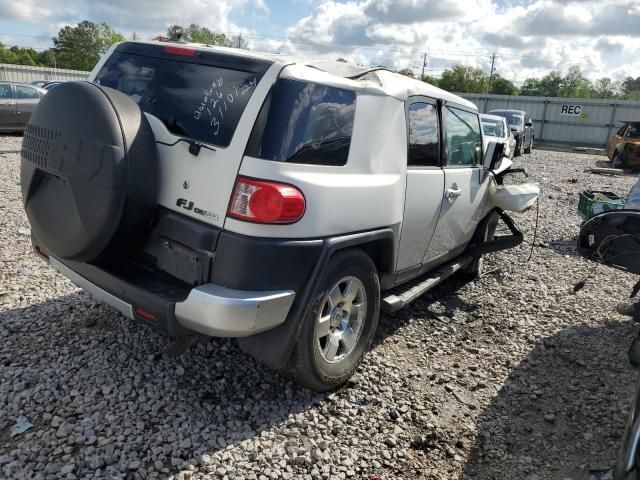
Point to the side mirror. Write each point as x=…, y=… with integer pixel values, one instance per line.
x=494, y=155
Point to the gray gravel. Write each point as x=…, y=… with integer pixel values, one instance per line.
x=512, y=376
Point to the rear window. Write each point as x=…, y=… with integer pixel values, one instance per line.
x=303, y=122
x=493, y=128
x=197, y=101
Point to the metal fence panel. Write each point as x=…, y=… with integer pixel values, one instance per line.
x=28, y=74
x=593, y=126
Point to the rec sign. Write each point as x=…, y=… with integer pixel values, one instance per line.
x=571, y=110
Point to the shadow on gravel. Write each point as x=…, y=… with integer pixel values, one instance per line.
x=563, y=247
x=445, y=294
x=561, y=411
x=110, y=378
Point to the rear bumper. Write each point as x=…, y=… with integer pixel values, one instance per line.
x=209, y=309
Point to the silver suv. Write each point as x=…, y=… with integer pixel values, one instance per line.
x=233, y=194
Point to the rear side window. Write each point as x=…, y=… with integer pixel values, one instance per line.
x=423, y=135
x=197, y=101
x=303, y=122
x=26, y=92
x=633, y=132
x=464, y=141
x=5, y=90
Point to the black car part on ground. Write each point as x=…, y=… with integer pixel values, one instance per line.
x=612, y=238
x=89, y=172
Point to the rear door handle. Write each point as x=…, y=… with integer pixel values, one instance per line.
x=453, y=193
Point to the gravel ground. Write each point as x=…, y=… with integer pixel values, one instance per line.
x=512, y=376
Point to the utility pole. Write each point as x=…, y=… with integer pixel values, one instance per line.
x=424, y=64
x=493, y=61
x=240, y=40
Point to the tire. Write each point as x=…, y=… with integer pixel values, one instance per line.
x=616, y=161
x=519, y=150
x=316, y=362
x=485, y=234
x=89, y=172
x=530, y=147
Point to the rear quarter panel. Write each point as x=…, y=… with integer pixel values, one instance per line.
x=366, y=193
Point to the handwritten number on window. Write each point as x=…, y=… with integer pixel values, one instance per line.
x=214, y=99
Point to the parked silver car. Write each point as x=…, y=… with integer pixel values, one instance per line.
x=17, y=103
x=496, y=128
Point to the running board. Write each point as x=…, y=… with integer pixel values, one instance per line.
x=407, y=293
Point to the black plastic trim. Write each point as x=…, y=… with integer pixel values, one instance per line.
x=264, y=264
x=135, y=295
x=274, y=347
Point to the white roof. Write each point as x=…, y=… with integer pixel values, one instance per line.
x=346, y=74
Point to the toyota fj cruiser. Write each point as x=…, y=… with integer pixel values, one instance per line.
x=227, y=193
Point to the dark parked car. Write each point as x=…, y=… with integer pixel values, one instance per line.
x=49, y=85
x=17, y=103
x=521, y=125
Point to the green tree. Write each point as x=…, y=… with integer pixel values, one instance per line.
x=238, y=41
x=6, y=55
x=463, y=79
x=46, y=58
x=547, y=86
x=80, y=47
x=606, y=88
x=406, y=71
x=430, y=79
x=502, y=86
x=531, y=88
x=197, y=34
x=631, y=88
x=575, y=85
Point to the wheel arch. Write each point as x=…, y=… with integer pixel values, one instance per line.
x=273, y=348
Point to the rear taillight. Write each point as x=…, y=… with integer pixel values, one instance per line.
x=263, y=201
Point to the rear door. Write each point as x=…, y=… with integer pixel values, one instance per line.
x=27, y=99
x=466, y=183
x=201, y=106
x=425, y=182
x=7, y=107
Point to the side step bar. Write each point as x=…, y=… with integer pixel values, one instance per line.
x=405, y=294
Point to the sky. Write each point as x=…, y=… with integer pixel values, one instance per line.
x=529, y=38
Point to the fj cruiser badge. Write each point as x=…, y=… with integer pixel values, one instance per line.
x=188, y=205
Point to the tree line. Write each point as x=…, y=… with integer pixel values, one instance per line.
x=573, y=84
x=80, y=47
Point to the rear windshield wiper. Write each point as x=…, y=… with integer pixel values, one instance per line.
x=322, y=146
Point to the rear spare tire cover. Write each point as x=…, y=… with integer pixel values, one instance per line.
x=89, y=172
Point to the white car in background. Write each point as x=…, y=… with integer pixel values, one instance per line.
x=496, y=129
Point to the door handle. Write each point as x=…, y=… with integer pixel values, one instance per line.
x=452, y=193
